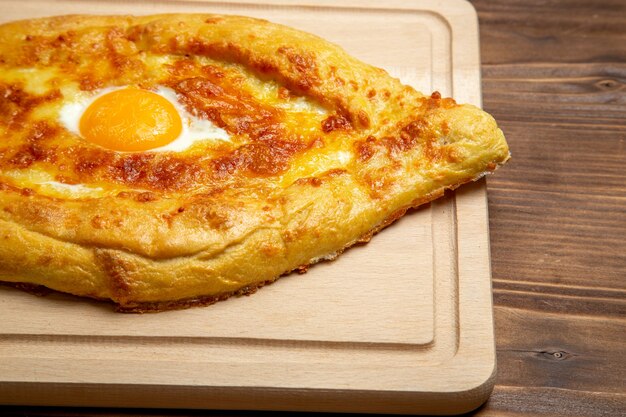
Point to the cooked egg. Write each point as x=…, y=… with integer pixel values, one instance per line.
x=130, y=119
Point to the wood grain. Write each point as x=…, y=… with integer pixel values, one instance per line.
x=554, y=75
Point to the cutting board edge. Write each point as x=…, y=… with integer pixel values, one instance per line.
x=245, y=398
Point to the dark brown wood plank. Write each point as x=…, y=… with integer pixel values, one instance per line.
x=554, y=76
x=578, y=352
x=591, y=96
x=558, y=209
x=551, y=402
x=522, y=31
x=537, y=296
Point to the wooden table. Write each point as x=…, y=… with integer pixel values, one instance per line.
x=554, y=76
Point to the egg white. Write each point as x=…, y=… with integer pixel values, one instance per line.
x=194, y=129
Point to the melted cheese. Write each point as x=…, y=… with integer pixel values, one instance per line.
x=69, y=190
x=45, y=184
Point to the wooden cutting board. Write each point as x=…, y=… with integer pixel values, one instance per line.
x=401, y=325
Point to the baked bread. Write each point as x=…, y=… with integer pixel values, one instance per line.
x=303, y=151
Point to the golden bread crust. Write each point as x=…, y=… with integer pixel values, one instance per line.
x=292, y=188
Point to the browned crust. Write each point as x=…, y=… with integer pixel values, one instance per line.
x=34, y=289
x=156, y=307
x=202, y=301
x=152, y=307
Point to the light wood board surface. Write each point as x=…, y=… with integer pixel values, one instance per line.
x=401, y=325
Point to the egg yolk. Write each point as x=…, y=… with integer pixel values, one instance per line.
x=131, y=119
